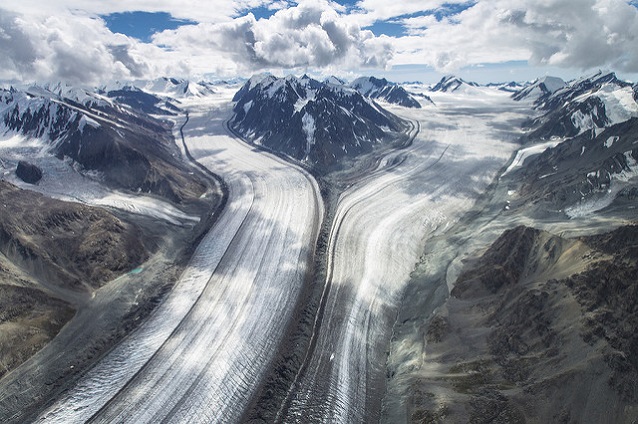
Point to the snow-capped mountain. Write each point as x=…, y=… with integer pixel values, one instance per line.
x=539, y=88
x=177, y=88
x=335, y=80
x=127, y=147
x=38, y=117
x=510, y=87
x=143, y=101
x=583, y=88
x=67, y=93
x=165, y=88
x=382, y=89
x=587, y=104
x=452, y=84
x=591, y=156
x=584, y=174
x=311, y=121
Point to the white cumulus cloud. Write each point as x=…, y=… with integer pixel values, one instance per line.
x=74, y=48
x=584, y=34
x=310, y=34
x=67, y=40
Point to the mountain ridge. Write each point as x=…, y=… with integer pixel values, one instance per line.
x=382, y=89
x=310, y=121
x=131, y=149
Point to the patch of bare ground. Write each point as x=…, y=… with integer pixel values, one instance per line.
x=29, y=317
x=92, y=276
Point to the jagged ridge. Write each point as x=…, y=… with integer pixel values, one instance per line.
x=311, y=121
x=131, y=149
x=382, y=89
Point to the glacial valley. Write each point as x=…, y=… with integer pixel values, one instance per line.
x=294, y=250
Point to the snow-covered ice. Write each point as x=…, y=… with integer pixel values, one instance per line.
x=308, y=126
x=610, y=141
x=197, y=358
x=526, y=152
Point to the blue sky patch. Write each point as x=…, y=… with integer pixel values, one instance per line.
x=260, y=12
x=447, y=10
x=348, y=3
x=394, y=28
x=389, y=28
x=142, y=25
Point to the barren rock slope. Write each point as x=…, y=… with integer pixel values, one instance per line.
x=539, y=329
x=52, y=255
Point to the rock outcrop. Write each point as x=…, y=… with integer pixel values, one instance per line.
x=53, y=254
x=28, y=172
x=538, y=329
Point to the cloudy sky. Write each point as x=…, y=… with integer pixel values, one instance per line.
x=93, y=42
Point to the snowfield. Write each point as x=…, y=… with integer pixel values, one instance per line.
x=620, y=105
x=526, y=152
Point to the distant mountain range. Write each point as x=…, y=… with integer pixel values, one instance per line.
x=117, y=129
x=174, y=88
x=452, y=84
x=108, y=132
x=586, y=104
x=113, y=130
x=539, y=88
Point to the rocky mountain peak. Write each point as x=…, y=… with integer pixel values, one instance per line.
x=588, y=104
x=539, y=88
x=451, y=83
x=382, y=89
x=311, y=121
